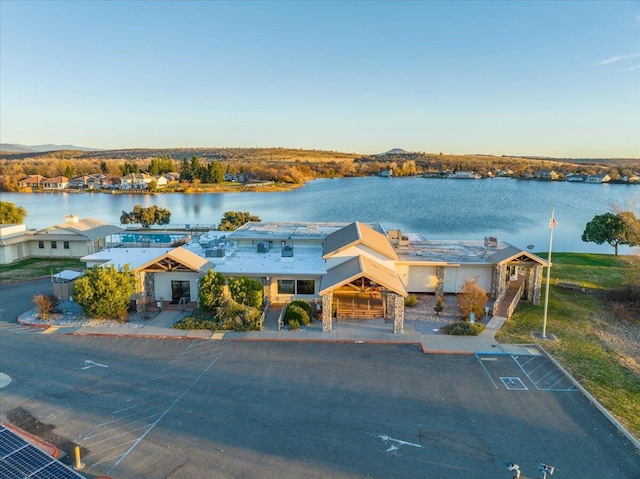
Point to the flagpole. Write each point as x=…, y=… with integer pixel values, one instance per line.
x=546, y=294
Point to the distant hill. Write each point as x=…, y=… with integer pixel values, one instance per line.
x=17, y=148
x=394, y=151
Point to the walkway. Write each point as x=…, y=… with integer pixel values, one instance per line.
x=371, y=331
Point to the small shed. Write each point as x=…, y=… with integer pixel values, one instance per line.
x=63, y=283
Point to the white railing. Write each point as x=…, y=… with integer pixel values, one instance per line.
x=265, y=310
x=515, y=301
x=281, y=316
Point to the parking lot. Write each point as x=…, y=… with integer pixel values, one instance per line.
x=167, y=409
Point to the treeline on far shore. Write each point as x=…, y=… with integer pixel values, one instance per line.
x=294, y=166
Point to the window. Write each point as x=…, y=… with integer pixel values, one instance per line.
x=286, y=286
x=41, y=244
x=65, y=244
x=306, y=286
x=54, y=245
x=301, y=286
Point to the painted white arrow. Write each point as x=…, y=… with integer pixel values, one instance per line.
x=91, y=364
x=397, y=441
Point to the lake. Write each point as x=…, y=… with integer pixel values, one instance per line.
x=512, y=210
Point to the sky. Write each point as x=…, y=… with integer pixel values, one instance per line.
x=559, y=79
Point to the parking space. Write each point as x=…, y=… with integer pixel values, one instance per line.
x=524, y=372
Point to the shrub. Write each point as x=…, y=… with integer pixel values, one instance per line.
x=238, y=316
x=304, y=305
x=294, y=325
x=247, y=291
x=192, y=322
x=463, y=328
x=105, y=292
x=411, y=301
x=439, y=306
x=296, y=314
x=45, y=303
x=211, y=293
x=471, y=299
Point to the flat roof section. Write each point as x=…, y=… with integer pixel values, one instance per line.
x=308, y=230
x=306, y=261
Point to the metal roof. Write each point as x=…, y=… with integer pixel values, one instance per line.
x=357, y=267
x=90, y=228
x=358, y=233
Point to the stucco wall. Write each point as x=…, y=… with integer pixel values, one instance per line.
x=418, y=279
x=162, y=284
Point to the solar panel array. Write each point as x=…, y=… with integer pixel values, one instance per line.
x=21, y=460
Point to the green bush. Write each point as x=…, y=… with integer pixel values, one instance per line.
x=212, y=291
x=304, y=305
x=294, y=325
x=247, y=291
x=463, y=329
x=105, y=292
x=297, y=314
x=411, y=301
x=192, y=322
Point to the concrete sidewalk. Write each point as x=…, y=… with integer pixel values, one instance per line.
x=372, y=331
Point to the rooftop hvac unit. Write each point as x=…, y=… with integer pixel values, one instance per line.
x=214, y=253
x=287, y=251
x=263, y=247
x=403, y=240
x=490, y=242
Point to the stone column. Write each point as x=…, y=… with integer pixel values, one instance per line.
x=147, y=293
x=327, y=312
x=537, y=284
x=499, y=280
x=398, y=312
x=439, y=281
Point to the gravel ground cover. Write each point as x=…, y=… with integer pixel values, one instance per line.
x=425, y=320
x=69, y=313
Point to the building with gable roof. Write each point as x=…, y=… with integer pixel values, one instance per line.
x=353, y=270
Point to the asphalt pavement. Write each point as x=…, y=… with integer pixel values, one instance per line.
x=344, y=407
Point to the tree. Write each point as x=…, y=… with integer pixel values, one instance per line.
x=247, y=291
x=185, y=171
x=105, y=292
x=212, y=292
x=11, y=214
x=614, y=229
x=152, y=215
x=471, y=299
x=232, y=220
x=103, y=166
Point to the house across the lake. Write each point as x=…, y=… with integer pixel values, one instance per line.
x=349, y=270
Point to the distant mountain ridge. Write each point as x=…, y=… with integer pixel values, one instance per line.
x=17, y=148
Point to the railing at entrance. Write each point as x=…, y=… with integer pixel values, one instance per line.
x=515, y=301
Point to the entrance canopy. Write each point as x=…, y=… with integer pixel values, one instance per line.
x=511, y=253
x=358, y=267
x=178, y=259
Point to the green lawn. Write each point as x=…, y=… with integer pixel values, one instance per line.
x=576, y=318
x=37, y=268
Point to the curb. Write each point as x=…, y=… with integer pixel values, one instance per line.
x=50, y=449
x=593, y=400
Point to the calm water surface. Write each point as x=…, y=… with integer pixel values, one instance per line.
x=515, y=211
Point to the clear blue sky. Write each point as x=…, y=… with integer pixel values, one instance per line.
x=535, y=78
